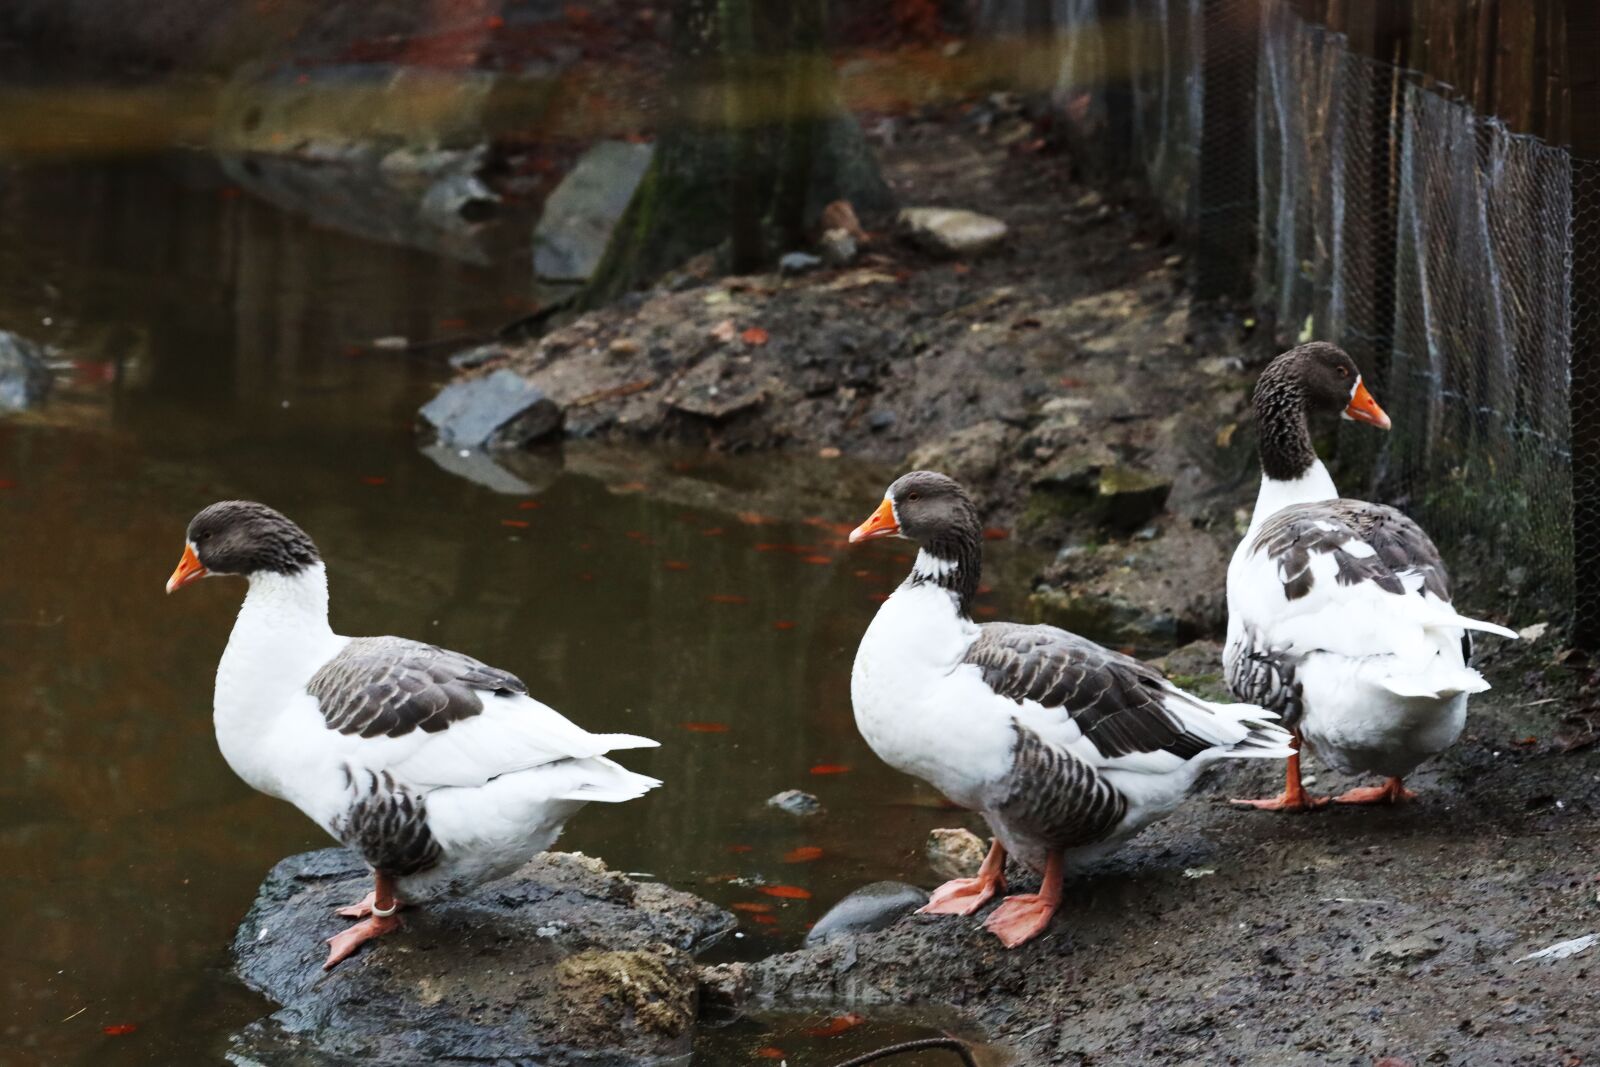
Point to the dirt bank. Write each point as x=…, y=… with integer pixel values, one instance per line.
x=1344, y=937
x=1060, y=375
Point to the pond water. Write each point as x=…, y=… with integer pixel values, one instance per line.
x=212, y=347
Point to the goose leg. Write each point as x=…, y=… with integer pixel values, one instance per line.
x=1393, y=791
x=963, y=896
x=1294, y=797
x=1025, y=916
x=381, y=919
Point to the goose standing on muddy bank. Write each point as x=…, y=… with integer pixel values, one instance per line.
x=439, y=771
x=1339, y=611
x=1067, y=749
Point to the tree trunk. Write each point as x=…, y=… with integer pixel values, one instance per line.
x=755, y=146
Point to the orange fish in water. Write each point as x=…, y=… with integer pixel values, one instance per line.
x=837, y=1025
x=786, y=892
x=831, y=768
x=803, y=854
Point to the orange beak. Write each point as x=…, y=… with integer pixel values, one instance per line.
x=1363, y=408
x=880, y=523
x=188, y=571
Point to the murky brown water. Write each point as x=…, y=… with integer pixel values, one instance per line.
x=216, y=348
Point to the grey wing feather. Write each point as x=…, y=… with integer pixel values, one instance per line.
x=1056, y=796
x=1115, y=700
x=1398, y=546
x=389, y=686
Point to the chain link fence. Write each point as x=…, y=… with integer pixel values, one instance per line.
x=1347, y=200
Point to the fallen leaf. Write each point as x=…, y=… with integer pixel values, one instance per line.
x=727, y=598
x=705, y=727
x=755, y=335
x=1525, y=742
x=831, y=768
x=995, y=533
x=724, y=331
x=516, y=524
x=837, y=1025
x=828, y=452
x=119, y=1029
x=751, y=907
x=373, y=479
x=753, y=518
x=803, y=854
x=1225, y=434
x=675, y=565
x=786, y=892
x=771, y=1052
x=783, y=624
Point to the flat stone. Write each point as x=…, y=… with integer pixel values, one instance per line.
x=1405, y=951
x=872, y=907
x=952, y=231
x=971, y=455
x=502, y=409
x=798, y=263
x=954, y=852
x=795, y=802
x=563, y=962
x=24, y=373
x=578, y=218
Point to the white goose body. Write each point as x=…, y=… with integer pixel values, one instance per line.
x=1339, y=612
x=496, y=786
x=1065, y=748
x=438, y=770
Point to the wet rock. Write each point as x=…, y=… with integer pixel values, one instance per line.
x=502, y=409
x=952, y=231
x=24, y=373
x=580, y=214
x=473, y=358
x=972, y=455
x=955, y=853
x=1105, y=617
x=388, y=152
x=838, y=248
x=1405, y=951
x=798, y=263
x=1196, y=667
x=563, y=962
x=1085, y=486
x=714, y=390
x=870, y=908
x=795, y=802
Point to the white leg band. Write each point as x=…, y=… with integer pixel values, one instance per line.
x=384, y=913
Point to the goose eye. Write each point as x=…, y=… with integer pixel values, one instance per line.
x=1344, y=372
x=913, y=496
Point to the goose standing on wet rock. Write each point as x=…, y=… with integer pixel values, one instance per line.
x=1066, y=748
x=441, y=772
x=1339, y=613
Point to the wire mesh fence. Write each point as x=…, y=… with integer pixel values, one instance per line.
x=1351, y=200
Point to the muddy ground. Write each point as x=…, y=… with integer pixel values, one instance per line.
x=1349, y=936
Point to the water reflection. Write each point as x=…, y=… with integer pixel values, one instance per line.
x=214, y=349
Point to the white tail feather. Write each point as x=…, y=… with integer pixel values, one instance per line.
x=1441, y=684
x=617, y=742
x=610, y=782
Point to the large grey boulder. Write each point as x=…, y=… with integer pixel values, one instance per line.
x=564, y=962
x=580, y=214
x=498, y=410
x=24, y=373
